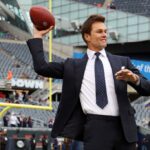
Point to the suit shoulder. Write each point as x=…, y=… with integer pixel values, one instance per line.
x=71, y=60
x=120, y=57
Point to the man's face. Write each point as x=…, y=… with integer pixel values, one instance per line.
x=97, y=40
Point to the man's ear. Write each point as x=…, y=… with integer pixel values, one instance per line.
x=87, y=37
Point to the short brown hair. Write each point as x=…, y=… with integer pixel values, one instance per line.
x=87, y=25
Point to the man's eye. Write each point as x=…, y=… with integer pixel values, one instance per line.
x=99, y=31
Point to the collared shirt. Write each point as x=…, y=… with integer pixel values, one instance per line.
x=87, y=92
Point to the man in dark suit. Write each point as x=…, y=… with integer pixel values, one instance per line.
x=94, y=106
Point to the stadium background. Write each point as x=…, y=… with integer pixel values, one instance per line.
x=128, y=25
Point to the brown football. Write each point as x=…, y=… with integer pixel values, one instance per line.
x=41, y=17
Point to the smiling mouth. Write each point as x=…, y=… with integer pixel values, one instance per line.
x=104, y=40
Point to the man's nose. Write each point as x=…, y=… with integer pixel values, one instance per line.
x=104, y=34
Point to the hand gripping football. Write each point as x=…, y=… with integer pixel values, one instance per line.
x=41, y=17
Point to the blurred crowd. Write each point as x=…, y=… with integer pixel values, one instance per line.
x=15, y=96
x=17, y=120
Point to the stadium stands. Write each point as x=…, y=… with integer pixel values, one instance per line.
x=134, y=6
x=142, y=114
x=92, y=2
x=18, y=50
x=7, y=35
x=17, y=58
x=40, y=118
x=40, y=95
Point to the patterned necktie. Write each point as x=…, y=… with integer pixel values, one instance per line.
x=101, y=95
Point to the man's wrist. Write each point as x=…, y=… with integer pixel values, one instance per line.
x=136, y=79
x=37, y=36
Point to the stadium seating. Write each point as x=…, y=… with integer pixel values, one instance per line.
x=7, y=35
x=20, y=51
x=134, y=6
x=131, y=6
x=142, y=113
x=39, y=96
x=40, y=118
x=17, y=58
x=92, y=2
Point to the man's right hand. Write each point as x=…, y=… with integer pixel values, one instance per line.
x=40, y=34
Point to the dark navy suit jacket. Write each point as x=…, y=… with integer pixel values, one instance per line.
x=70, y=118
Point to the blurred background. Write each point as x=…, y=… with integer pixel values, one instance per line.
x=128, y=25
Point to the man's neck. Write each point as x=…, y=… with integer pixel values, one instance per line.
x=95, y=49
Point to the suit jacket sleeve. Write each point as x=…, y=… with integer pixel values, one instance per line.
x=144, y=87
x=52, y=69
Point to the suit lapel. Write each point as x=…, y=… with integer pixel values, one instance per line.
x=115, y=67
x=79, y=72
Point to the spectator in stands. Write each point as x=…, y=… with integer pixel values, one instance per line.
x=94, y=104
x=33, y=142
x=20, y=96
x=16, y=65
x=9, y=75
x=13, y=120
x=112, y=5
x=6, y=119
x=7, y=101
x=24, y=76
x=25, y=96
x=2, y=95
x=16, y=95
x=25, y=122
x=10, y=97
x=30, y=99
x=44, y=143
x=20, y=118
x=29, y=122
x=50, y=123
x=40, y=100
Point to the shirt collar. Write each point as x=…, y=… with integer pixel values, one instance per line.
x=91, y=53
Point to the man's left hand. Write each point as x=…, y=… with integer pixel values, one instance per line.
x=127, y=75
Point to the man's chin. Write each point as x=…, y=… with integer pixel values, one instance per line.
x=103, y=46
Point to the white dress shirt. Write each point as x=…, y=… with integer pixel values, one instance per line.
x=88, y=91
